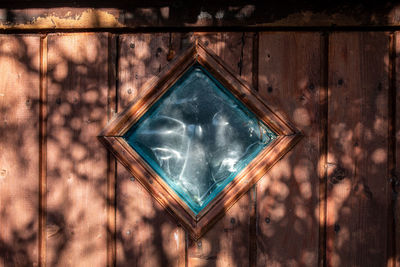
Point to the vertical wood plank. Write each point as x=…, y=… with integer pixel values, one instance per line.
x=227, y=242
x=323, y=142
x=19, y=149
x=290, y=82
x=77, y=162
x=146, y=234
x=141, y=58
x=43, y=151
x=396, y=175
x=253, y=190
x=358, y=185
x=111, y=161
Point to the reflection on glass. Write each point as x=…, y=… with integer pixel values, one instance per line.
x=198, y=137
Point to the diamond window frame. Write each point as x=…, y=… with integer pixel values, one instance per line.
x=153, y=90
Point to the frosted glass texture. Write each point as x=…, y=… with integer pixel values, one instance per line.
x=198, y=137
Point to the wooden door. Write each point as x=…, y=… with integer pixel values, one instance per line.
x=66, y=201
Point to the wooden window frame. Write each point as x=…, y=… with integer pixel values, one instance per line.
x=197, y=224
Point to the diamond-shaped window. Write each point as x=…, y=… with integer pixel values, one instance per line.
x=198, y=139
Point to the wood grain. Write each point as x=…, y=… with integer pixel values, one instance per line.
x=287, y=197
x=111, y=161
x=146, y=234
x=43, y=150
x=358, y=186
x=82, y=96
x=77, y=162
x=19, y=149
x=141, y=58
x=396, y=154
x=226, y=243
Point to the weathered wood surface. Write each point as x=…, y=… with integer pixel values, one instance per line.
x=287, y=197
x=358, y=185
x=77, y=162
x=146, y=234
x=82, y=95
x=396, y=174
x=111, y=161
x=19, y=150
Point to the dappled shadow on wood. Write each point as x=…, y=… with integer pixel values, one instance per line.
x=19, y=164
x=288, y=197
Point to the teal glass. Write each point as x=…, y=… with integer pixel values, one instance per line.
x=198, y=137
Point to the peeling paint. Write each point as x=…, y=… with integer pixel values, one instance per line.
x=245, y=12
x=309, y=18
x=246, y=15
x=91, y=18
x=300, y=19
x=220, y=14
x=204, y=15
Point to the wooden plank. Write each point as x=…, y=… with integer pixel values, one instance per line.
x=43, y=150
x=111, y=161
x=146, y=234
x=323, y=142
x=396, y=151
x=226, y=243
x=290, y=82
x=19, y=150
x=359, y=192
x=253, y=190
x=77, y=162
x=141, y=58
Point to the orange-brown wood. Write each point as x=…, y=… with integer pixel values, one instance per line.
x=43, y=150
x=359, y=190
x=83, y=225
x=396, y=153
x=323, y=147
x=287, y=197
x=77, y=162
x=141, y=59
x=146, y=234
x=111, y=161
x=252, y=244
x=19, y=150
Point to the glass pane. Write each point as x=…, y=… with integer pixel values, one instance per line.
x=198, y=137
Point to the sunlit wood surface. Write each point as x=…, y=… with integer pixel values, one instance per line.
x=330, y=200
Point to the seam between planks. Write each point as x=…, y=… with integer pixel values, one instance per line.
x=186, y=29
x=111, y=162
x=186, y=248
x=323, y=142
x=42, y=150
x=253, y=189
x=392, y=94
